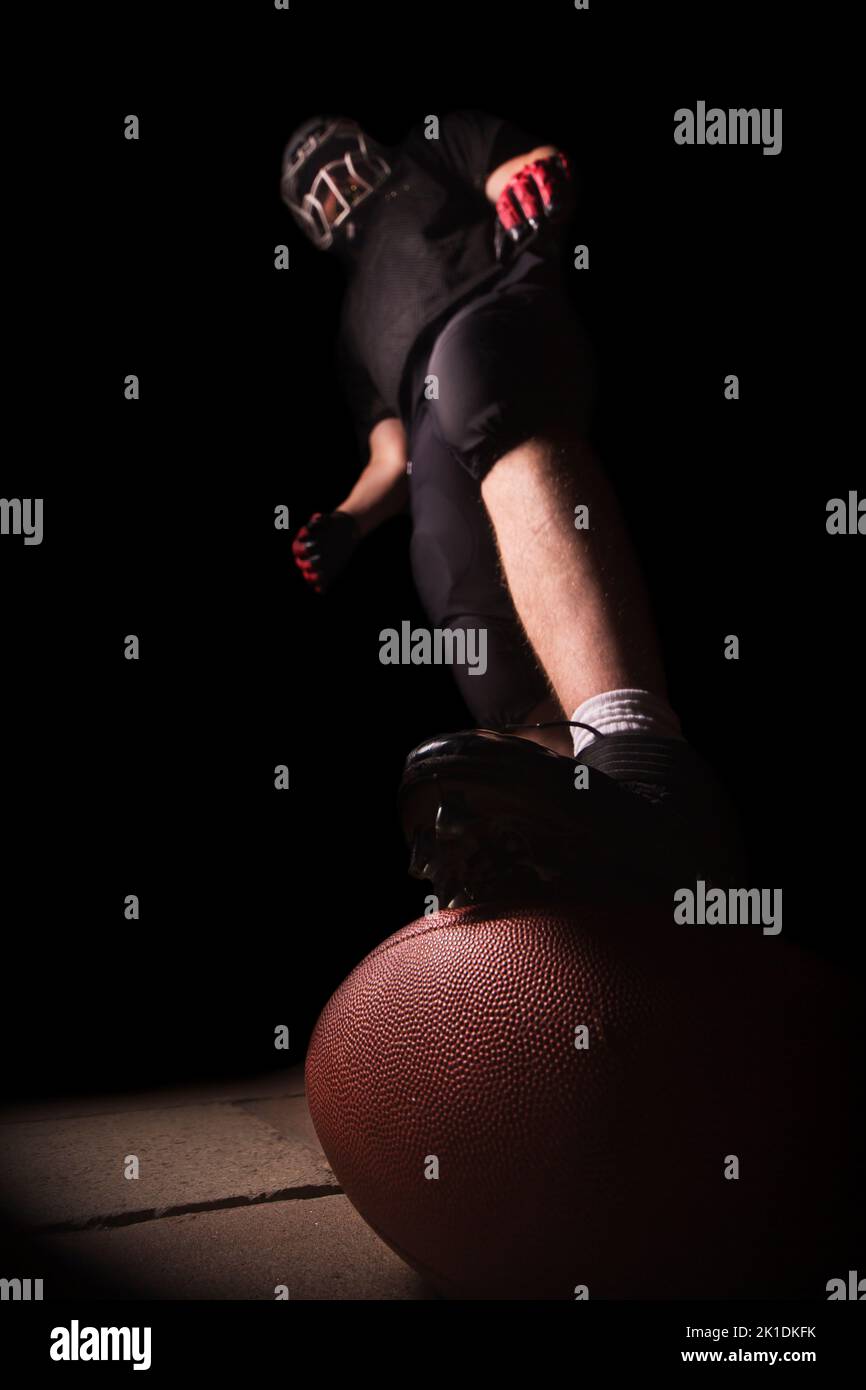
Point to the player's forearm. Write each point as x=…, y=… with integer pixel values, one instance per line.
x=379, y=493
x=382, y=490
x=499, y=178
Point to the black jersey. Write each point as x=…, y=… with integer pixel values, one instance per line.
x=427, y=245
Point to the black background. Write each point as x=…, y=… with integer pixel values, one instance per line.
x=156, y=777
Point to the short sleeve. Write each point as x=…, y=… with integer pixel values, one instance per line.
x=473, y=144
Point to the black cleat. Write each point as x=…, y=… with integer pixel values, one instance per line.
x=488, y=815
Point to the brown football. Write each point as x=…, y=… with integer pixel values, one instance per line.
x=566, y=1102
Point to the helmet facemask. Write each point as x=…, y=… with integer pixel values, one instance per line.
x=328, y=175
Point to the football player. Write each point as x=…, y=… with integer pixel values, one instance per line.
x=471, y=385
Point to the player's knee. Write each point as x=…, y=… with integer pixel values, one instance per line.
x=487, y=395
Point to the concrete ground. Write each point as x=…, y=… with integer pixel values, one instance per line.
x=233, y=1199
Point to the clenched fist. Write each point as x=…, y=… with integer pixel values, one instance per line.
x=539, y=191
x=323, y=548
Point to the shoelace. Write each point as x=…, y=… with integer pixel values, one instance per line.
x=555, y=724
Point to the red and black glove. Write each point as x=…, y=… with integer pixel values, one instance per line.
x=540, y=191
x=323, y=548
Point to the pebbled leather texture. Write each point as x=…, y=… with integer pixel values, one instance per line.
x=603, y=1167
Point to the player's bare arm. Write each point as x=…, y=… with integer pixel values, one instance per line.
x=324, y=547
x=382, y=490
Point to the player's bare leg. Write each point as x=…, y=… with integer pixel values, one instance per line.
x=578, y=593
x=480, y=814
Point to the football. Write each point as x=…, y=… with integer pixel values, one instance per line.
x=577, y=1102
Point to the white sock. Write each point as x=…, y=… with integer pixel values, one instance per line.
x=624, y=712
